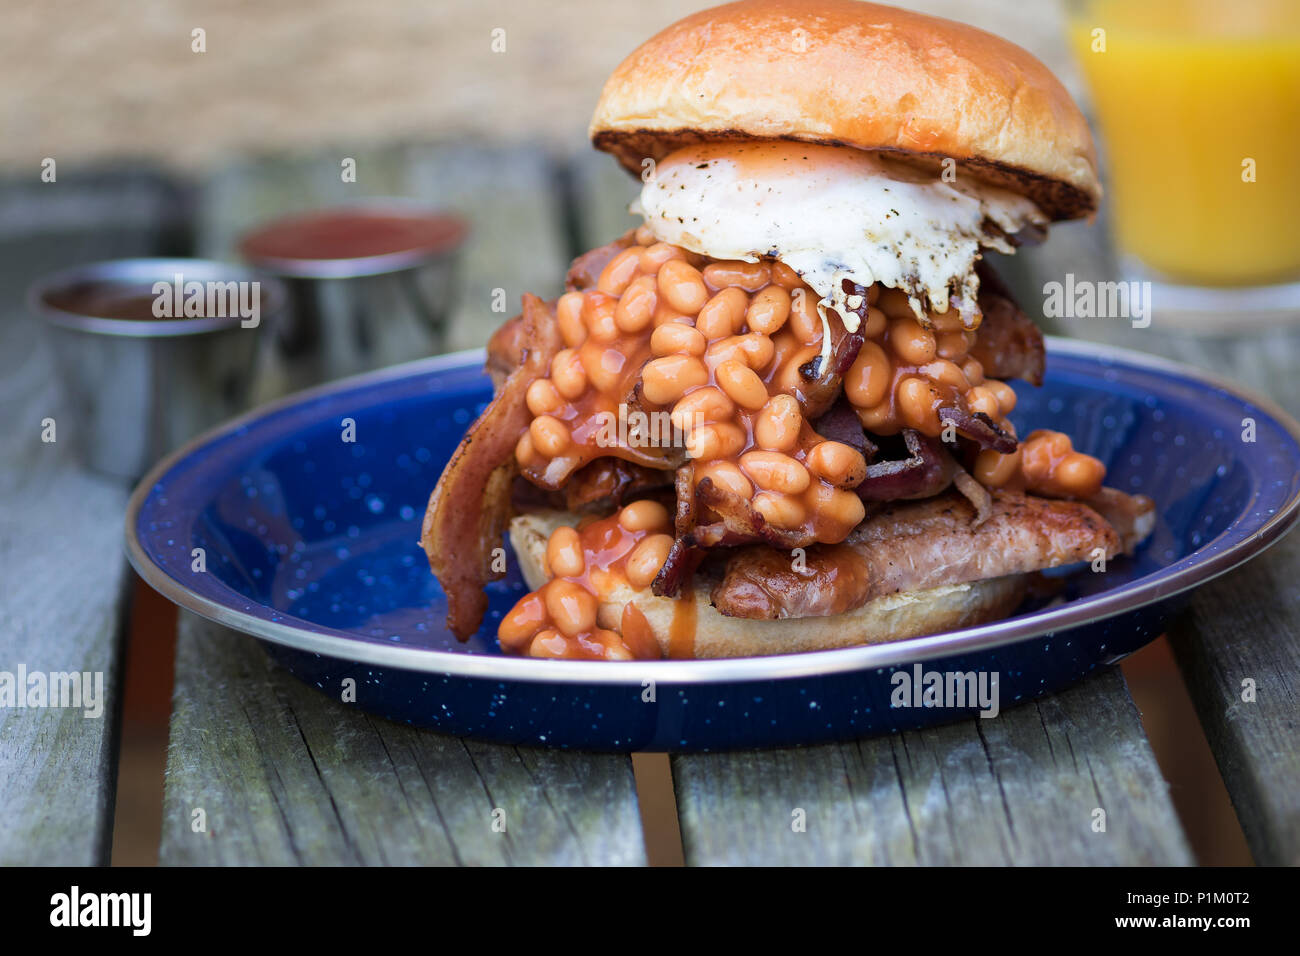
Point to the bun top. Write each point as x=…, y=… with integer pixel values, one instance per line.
x=847, y=73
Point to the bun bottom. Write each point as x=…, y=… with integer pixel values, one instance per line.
x=893, y=617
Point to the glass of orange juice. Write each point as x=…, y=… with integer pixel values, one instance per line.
x=1198, y=106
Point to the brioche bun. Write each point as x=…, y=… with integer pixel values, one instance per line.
x=890, y=618
x=843, y=72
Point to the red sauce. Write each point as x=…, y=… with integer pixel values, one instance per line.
x=352, y=234
x=105, y=300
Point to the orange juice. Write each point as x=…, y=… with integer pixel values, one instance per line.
x=1198, y=104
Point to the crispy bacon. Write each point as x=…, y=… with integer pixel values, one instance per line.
x=505, y=351
x=470, y=506
x=841, y=424
x=611, y=482
x=979, y=428
x=710, y=517
x=926, y=471
x=820, y=386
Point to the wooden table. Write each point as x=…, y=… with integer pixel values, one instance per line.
x=284, y=775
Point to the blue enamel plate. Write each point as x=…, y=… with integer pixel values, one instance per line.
x=310, y=543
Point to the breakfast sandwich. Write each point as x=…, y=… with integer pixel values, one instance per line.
x=775, y=416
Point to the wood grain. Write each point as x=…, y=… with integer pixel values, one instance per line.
x=286, y=776
x=60, y=611
x=1021, y=789
x=64, y=597
x=1240, y=628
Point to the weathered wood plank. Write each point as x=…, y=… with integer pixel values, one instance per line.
x=61, y=560
x=1019, y=789
x=286, y=776
x=1244, y=627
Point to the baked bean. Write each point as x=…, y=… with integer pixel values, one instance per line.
x=723, y=314
x=750, y=276
x=653, y=257
x=564, y=553
x=837, y=463
x=664, y=380
x=768, y=310
x=981, y=399
x=1079, y=475
x=837, y=505
x=637, y=306
x=1005, y=393
x=598, y=314
x=549, y=643
x=643, y=236
x=973, y=371
x=753, y=349
x=682, y=287
x=727, y=476
x=773, y=471
x=675, y=338
x=993, y=470
x=607, y=644
x=523, y=620
x=894, y=303
x=873, y=294
x=911, y=343
x=875, y=324
x=952, y=345
x=614, y=278
x=776, y=427
x=525, y=453
x=643, y=515
x=542, y=397
x=788, y=377
x=780, y=511
x=742, y=385
x=550, y=435
x=666, y=314
x=568, y=315
x=729, y=349
x=949, y=321
x=647, y=559
x=805, y=321
x=879, y=419
x=943, y=372
x=758, y=350
x=703, y=405
x=869, y=376
x=1048, y=456
x=571, y=606
x=604, y=366
x=785, y=277
x=918, y=402
x=715, y=440
x=1055, y=444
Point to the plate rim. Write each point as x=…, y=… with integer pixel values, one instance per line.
x=720, y=670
